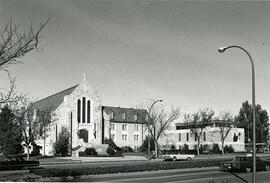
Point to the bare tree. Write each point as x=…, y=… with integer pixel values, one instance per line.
x=11, y=96
x=197, y=122
x=14, y=44
x=224, y=124
x=161, y=121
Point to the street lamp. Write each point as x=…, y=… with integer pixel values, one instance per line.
x=221, y=50
x=149, y=126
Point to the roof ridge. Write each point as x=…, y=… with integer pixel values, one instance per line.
x=124, y=107
x=57, y=93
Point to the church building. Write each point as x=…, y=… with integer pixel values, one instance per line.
x=79, y=109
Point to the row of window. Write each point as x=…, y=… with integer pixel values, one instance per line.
x=124, y=127
x=124, y=116
x=195, y=137
x=83, y=111
x=125, y=137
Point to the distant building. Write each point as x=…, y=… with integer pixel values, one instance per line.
x=181, y=135
x=79, y=109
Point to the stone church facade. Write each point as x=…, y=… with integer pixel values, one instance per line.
x=79, y=109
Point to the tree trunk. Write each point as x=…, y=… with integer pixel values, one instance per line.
x=28, y=156
x=156, y=148
x=222, y=148
x=44, y=141
x=198, y=148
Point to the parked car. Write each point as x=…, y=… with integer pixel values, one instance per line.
x=244, y=163
x=175, y=157
x=15, y=162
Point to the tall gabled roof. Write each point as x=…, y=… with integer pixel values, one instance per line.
x=130, y=112
x=54, y=101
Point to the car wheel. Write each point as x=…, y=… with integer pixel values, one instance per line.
x=267, y=168
x=188, y=159
x=174, y=159
x=248, y=170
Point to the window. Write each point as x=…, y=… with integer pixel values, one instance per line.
x=124, y=116
x=83, y=110
x=79, y=111
x=187, y=137
x=179, y=137
x=88, y=111
x=136, y=148
x=112, y=126
x=124, y=127
x=111, y=115
x=136, y=137
x=95, y=130
x=195, y=137
x=204, y=136
x=136, y=128
x=135, y=117
x=124, y=137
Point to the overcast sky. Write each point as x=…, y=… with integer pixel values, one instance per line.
x=131, y=51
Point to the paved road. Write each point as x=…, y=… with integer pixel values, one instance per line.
x=198, y=175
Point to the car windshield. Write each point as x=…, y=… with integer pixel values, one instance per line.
x=242, y=158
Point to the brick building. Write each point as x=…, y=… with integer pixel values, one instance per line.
x=79, y=109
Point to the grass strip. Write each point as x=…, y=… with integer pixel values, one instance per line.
x=143, y=166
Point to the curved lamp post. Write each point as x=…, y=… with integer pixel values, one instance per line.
x=221, y=50
x=149, y=126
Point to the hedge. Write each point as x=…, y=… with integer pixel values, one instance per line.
x=143, y=166
x=82, y=154
x=14, y=165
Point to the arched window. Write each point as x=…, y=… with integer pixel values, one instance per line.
x=83, y=110
x=83, y=134
x=79, y=111
x=88, y=111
